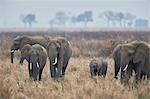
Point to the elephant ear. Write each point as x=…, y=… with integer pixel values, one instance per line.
x=25, y=50
x=58, y=44
x=137, y=57
x=59, y=48
x=48, y=40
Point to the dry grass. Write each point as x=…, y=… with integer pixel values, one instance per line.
x=78, y=84
x=15, y=82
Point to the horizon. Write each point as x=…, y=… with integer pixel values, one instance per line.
x=46, y=9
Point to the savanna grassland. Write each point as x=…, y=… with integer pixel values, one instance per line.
x=86, y=44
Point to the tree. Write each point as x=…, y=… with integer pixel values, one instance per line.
x=28, y=19
x=60, y=18
x=73, y=20
x=119, y=17
x=141, y=23
x=128, y=19
x=85, y=17
x=109, y=17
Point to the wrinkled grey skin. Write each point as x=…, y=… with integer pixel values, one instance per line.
x=137, y=56
x=59, y=52
x=98, y=67
x=36, y=55
x=20, y=41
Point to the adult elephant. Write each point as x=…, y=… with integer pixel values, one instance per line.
x=20, y=41
x=133, y=56
x=36, y=55
x=117, y=61
x=59, y=52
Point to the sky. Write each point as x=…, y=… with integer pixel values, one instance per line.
x=10, y=10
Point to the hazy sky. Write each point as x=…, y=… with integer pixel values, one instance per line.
x=10, y=10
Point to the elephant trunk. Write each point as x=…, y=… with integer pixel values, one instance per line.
x=12, y=56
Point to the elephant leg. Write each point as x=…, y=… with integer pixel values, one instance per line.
x=93, y=71
x=122, y=76
x=53, y=71
x=21, y=60
x=40, y=73
x=138, y=76
x=64, y=70
x=139, y=73
x=35, y=71
x=142, y=76
x=100, y=72
x=41, y=67
x=65, y=64
x=104, y=72
x=59, y=69
x=128, y=74
x=30, y=69
x=148, y=76
x=117, y=68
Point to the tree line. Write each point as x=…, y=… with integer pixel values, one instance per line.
x=112, y=19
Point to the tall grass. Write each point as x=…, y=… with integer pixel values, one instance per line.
x=15, y=82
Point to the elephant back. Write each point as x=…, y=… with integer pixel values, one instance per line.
x=39, y=49
x=99, y=62
x=25, y=50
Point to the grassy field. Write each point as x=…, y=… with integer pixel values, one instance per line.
x=15, y=82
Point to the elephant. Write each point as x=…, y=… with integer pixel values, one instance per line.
x=20, y=41
x=59, y=52
x=98, y=66
x=116, y=57
x=134, y=56
x=36, y=55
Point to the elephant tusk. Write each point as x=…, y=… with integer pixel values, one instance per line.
x=125, y=68
x=30, y=66
x=55, y=62
x=37, y=65
x=11, y=51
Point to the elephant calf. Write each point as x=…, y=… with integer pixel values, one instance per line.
x=36, y=55
x=98, y=66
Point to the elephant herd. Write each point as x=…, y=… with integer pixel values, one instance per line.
x=130, y=58
x=36, y=51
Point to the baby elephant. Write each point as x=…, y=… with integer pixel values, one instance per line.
x=98, y=66
x=36, y=55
